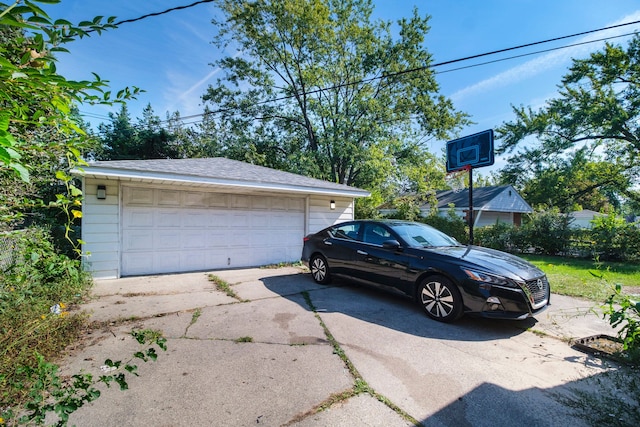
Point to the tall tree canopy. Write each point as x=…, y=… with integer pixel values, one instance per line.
x=122, y=140
x=318, y=88
x=587, y=140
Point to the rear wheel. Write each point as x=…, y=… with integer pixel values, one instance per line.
x=320, y=269
x=440, y=299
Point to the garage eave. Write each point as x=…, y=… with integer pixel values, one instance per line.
x=216, y=183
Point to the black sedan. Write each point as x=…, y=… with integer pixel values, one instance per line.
x=447, y=279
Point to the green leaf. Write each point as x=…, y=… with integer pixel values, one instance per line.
x=62, y=22
x=75, y=191
x=38, y=20
x=21, y=170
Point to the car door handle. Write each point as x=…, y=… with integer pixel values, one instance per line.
x=362, y=252
x=328, y=243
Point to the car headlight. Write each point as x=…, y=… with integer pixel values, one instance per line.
x=492, y=279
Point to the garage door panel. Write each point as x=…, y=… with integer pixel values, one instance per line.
x=260, y=220
x=137, y=263
x=169, y=198
x=139, y=217
x=217, y=238
x=138, y=196
x=196, y=219
x=240, y=219
x=168, y=218
x=240, y=238
x=264, y=238
x=166, y=239
x=166, y=262
x=171, y=231
x=194, y=260
x=137, y=240
x=194, y=240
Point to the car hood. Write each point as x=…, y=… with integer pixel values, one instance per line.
x=491, y=260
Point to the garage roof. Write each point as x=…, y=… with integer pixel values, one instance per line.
x=214, y=172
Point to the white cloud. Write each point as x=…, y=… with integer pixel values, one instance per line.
x=545, y=62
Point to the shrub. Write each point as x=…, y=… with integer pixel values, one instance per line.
x=615, y=239
x=548, y=232
x=37, y=289
x=499, y=236
x=451, y=224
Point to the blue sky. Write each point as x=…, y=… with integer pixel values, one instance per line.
x=170, y=55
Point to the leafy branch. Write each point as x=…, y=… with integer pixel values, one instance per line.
x=49, y=393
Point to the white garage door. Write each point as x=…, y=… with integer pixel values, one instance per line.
x=166, y=231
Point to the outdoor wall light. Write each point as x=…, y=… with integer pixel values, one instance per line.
x=332, y=204
x=101, y=194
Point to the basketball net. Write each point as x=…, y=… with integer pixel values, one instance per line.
x=456, y=179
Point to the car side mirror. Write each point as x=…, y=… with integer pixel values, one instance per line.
x=391, y=244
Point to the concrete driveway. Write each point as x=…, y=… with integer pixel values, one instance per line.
x=288, y=352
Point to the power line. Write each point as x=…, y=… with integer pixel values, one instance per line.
x=413, y=70
x=408, y=71
x=173, y=9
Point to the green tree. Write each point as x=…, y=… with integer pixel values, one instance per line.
x=321, y=89
x=40, y=136
x=594, y=123
x=123, y=140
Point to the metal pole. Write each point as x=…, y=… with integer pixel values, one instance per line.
x=470, y=205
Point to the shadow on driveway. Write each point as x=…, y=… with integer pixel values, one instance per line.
x=375, y=306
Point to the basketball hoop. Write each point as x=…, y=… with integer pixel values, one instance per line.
x=456, y=179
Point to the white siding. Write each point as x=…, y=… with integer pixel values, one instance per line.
x=166, y=231
x=148, y=229
x=101, y=230
x=490, y=218
x=321, y=215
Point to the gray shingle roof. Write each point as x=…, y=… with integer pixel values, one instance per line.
x=216, y=170
x=481, y=196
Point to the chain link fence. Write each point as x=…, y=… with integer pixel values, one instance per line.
x=8, y=248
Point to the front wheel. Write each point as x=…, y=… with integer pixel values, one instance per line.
x=440, y=299
x=320, y=269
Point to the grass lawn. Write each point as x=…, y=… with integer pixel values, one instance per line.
x=587, y=278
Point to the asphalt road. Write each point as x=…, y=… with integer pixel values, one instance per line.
x=266, y=358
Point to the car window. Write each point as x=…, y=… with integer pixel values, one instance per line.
x=423, y=235
x=347, y=231
x=376, y=234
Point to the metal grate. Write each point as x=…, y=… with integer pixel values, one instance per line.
x=539, y=289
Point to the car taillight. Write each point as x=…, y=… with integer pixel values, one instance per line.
x=306, y=239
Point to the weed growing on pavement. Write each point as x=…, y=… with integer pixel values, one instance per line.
x=49, y=394
x=283, y=264
x=611, y=399
x=223, y=286
x=360, y=385
x=194, y=317
x=243, y=339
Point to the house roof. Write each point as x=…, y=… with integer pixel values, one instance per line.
x=502, y=198
x=215, y=172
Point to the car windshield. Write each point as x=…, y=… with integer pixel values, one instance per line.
x=422, y=235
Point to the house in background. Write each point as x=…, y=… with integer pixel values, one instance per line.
x=175, y=215
x=490, y=205
x=583, y=218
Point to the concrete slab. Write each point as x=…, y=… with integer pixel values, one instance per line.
x=276, y=321
x=222, y=383
x=475, y=372
x=362, y=410
x=436, y=372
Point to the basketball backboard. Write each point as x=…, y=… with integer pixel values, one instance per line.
x=470, y=151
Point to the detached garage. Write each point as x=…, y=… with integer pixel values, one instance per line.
x=177, y=215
